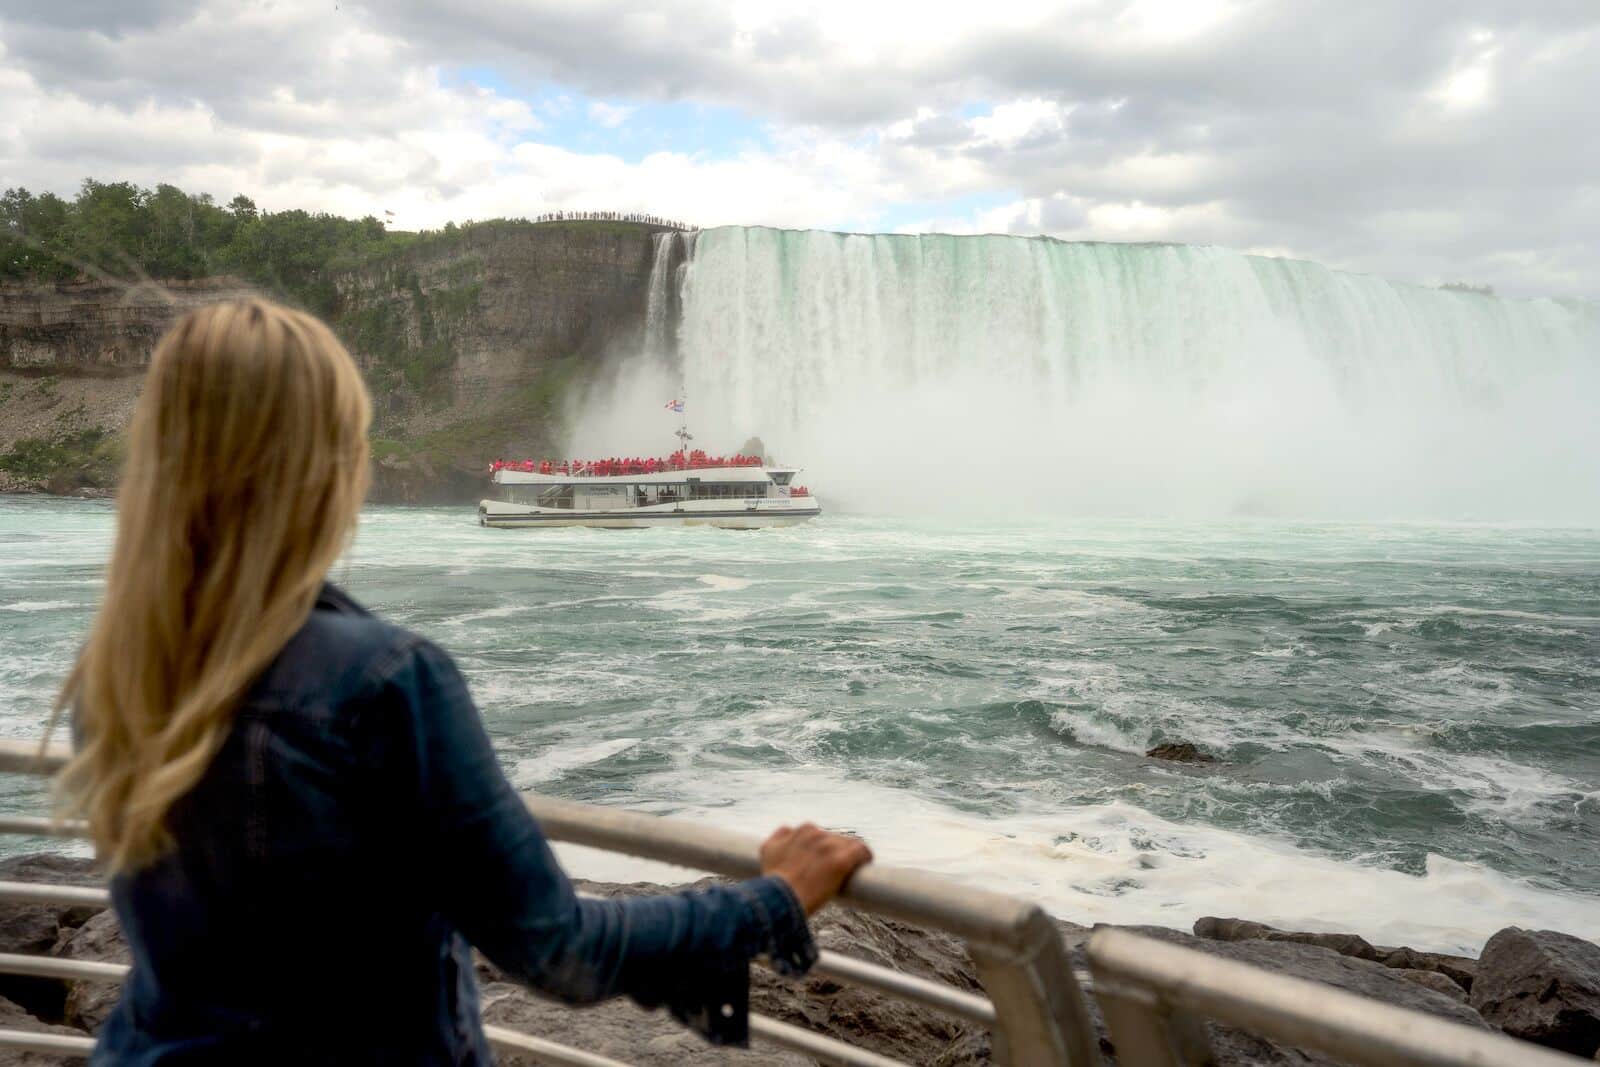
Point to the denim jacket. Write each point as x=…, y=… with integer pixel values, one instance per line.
x=352, y=836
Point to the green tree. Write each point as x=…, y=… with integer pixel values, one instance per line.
x=174, y=234
x=30, y=228
x=123, y=231
x=108, y=228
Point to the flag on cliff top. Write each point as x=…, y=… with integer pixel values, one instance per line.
x=675, y=405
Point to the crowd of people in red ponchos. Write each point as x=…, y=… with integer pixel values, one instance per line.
x=603, y=468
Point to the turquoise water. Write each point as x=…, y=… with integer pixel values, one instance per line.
x=1407, y=716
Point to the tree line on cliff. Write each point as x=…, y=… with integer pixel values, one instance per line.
x=122, y=231
x=119, y=230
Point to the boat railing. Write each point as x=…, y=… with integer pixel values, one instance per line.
x=1154, y=996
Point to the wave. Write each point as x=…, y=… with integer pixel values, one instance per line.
x=556, y=762
x=1116, y=862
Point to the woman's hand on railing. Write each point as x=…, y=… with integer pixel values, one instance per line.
x=813, y=861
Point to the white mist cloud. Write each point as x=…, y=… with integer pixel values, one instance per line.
x=1309, y=126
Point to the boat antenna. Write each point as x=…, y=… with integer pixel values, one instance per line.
x=682, y=433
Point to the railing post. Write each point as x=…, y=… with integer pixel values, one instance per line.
x=1040, y=1010
x=1137, y=1024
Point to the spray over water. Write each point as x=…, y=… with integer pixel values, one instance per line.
x=1026, y=375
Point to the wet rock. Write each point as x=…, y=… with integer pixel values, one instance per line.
x=1214, y=928
x=1180, y=752
x=99, y=940
x=1459, y=969
x=1541, y=986
x=14, y=1017
x=1314, y=963
x=1433, y=980
x=1353, y=945
x=869, y=1020
x=617, y=1029
x=856, y=1016
x=1538, y=985
x=33, y=929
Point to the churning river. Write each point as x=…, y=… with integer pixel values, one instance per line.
x=1407, y=716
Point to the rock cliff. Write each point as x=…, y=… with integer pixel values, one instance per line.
x=471, y=340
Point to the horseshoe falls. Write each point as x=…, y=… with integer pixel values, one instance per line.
x=926, y=374
x=1341, y=532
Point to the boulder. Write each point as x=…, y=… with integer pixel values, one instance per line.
x=864, y=1019
x=1314, y=963
x=1180, y=752
x=1215, y=929
x=99, y=940
x=1541, y=986
x=1459, y=969
x=848, y=1013
x=33, y=929
x=14, y=1017
x=915, y=1035
x=617, y=1028
x=1433, y=980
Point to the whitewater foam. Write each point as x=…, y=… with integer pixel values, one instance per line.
x=556, y=762
x=1117, y=863
x=975, y=695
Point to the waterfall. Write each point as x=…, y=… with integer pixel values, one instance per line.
x=1032, y=373
x=663, y=302
x=658, y=317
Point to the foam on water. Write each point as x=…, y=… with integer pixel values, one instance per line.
x=558, y=761
x=1117, y=863
x=976, y=697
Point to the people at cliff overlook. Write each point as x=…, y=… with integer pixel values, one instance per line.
x=613, y=216
x=278, y=780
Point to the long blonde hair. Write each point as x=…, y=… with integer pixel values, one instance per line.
x=246, y=468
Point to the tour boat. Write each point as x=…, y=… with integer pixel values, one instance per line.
x=685, y=489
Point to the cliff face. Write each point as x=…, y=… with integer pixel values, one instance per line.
x=471, y=342
x=95, y=328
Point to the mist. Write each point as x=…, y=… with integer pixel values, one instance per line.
x=988, y=377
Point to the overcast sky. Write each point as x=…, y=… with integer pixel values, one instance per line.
x=1430, y=140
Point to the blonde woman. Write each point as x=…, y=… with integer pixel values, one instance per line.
x=301, y=812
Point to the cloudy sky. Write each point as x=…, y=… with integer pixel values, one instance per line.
x=1431, y=140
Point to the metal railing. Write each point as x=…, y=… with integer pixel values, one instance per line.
x=1154, y=996
x=1041, y=1018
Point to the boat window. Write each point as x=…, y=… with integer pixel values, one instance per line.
x=726, y=490
x=782, y=477
x=602, y=497
x=554, y=496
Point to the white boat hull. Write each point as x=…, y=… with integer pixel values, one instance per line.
x=724, y=514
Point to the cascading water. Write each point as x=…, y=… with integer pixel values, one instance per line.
x=929, y=372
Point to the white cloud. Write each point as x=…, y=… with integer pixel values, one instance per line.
x=610, y=115
x=1019, y=119
x=1431, y=140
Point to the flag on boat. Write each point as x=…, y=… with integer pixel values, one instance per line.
x=675, y=405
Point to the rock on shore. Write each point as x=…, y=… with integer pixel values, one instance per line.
x=1541, y=986
x=1533, y=984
